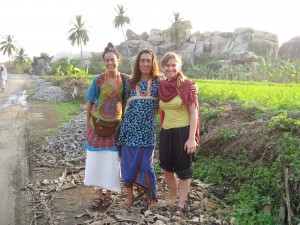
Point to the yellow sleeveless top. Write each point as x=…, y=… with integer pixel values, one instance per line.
x=176, y=114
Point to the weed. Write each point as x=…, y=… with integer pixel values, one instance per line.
x=225, y=135
x=209, y=113
x=67, y=111
x=283, y=123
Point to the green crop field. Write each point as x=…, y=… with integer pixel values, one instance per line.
x=264, y=95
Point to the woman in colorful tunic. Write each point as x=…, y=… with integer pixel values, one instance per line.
x=138, y=130
x=179, y=134
x=104, y=96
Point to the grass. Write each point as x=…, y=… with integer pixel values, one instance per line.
x=267, y=96
x=253, y=185
x=56, y=114
x=67, y=111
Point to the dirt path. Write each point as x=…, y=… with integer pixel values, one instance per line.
x=13, y=160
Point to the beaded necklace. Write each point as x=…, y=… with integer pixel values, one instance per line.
x=148, y=89
x=106, y=86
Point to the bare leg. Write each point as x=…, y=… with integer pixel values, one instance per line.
x=152, y=204
x=99, y=194
x=171, y=183
x=184, y=188
x=129, y=198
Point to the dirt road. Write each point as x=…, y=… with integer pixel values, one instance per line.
x=13, y=159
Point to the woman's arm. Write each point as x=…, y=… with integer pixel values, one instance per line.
x=191, y=144
x=88, y=115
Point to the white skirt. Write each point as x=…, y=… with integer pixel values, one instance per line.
x=102, y=170
x=2, y=84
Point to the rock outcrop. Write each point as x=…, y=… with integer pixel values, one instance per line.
x=42, y=67
x=290, y=49
x=258, y=43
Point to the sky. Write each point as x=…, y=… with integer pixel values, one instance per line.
x=42, y=26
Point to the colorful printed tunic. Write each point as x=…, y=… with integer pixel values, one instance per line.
x=110, y=109
x=138, y=127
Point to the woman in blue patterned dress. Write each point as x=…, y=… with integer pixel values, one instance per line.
x=104, y=96
x=138, y=130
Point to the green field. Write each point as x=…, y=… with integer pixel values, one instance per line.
x=267, y=96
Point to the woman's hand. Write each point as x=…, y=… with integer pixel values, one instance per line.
x=190, y=146
x=194, y=89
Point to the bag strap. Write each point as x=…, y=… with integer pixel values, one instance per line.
x=124, y=95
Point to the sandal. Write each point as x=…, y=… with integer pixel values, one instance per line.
x=107, y=201
x=97, y=203
x=177, y=214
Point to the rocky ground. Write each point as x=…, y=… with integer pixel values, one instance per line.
x=57, y=162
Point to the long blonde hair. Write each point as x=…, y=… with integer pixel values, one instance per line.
x=177, y=58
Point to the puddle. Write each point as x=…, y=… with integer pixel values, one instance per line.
x=18, y=98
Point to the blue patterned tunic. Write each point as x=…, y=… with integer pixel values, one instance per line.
x=138, y=127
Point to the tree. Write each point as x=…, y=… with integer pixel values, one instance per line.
x=8, y=46
x=177, y=31
x=78, y=34
x=22, y=60
x=120, y=21
x=21, y=57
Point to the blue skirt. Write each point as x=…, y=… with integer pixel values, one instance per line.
x=137, y=169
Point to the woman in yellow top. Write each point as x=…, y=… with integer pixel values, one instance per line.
x=179, y=134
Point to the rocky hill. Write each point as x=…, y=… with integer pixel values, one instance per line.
x=259, y=43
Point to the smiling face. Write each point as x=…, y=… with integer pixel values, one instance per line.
x=171, y=68
x=145, y=63
x=111, y=62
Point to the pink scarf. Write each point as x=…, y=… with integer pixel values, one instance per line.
x=168, y=89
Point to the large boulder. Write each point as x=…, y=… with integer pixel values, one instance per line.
x=84, y=64
x=259, y=43
x=42, y=68
x=131, y=35
x=290, y=49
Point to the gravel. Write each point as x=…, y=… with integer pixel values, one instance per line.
x=66, y=146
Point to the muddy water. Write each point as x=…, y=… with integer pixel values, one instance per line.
x=13, y=96
x=18, y=98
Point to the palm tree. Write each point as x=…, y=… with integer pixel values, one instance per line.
x=21, y=57
x=78, y=34
x=22, y=60
x=8, y=46
x=177, y=31
x=120, y=21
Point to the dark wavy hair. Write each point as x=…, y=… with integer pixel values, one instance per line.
x=111, y=48
x=136, y=76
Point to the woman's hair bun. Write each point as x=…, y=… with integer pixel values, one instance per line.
x=110, y=45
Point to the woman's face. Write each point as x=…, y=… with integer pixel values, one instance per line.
x=145, y=63
x=171, y=68
x=111, y=62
